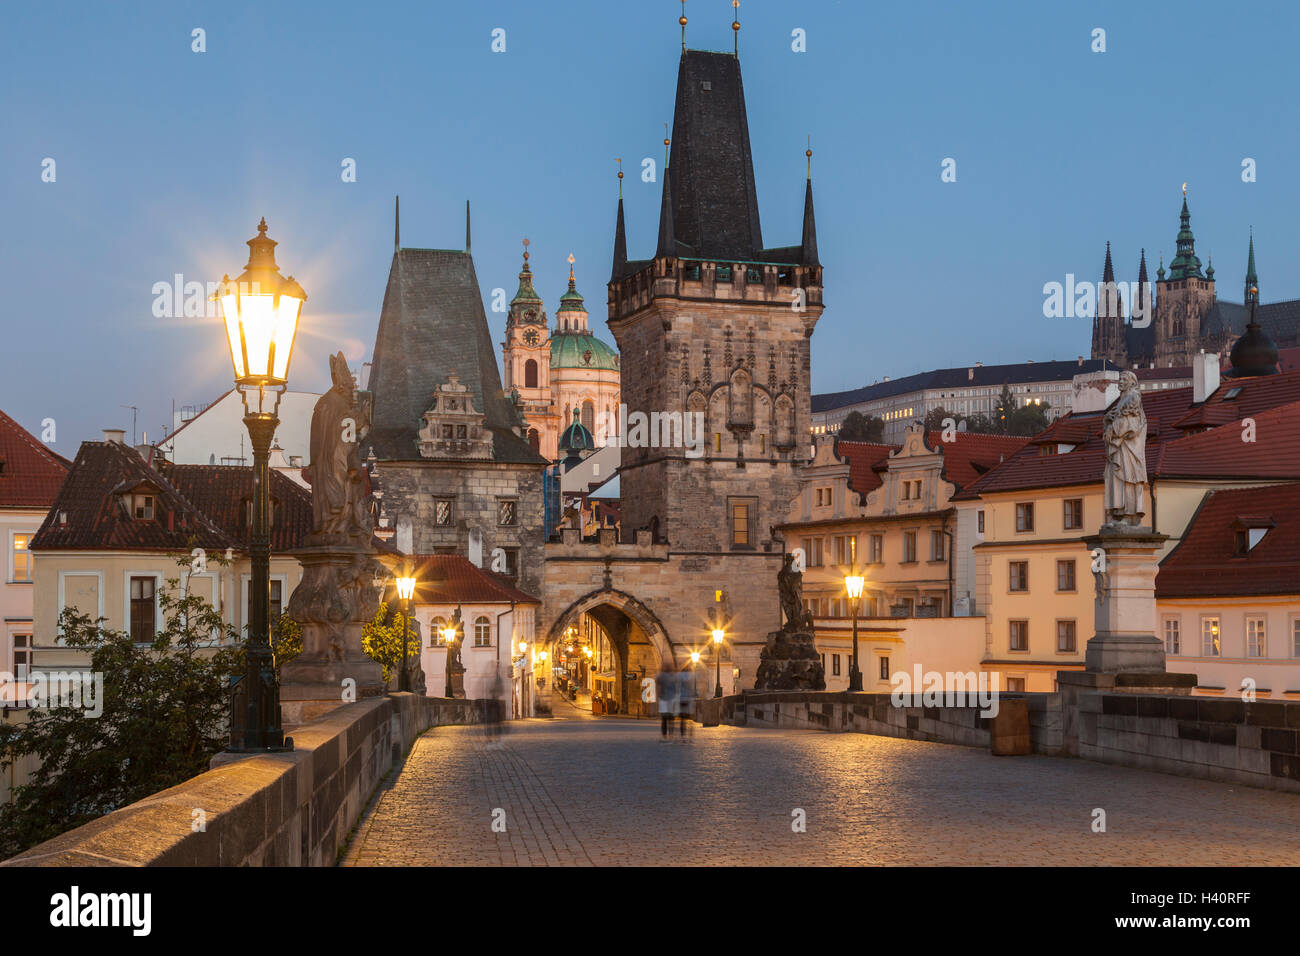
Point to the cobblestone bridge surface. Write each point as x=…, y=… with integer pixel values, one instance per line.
x=609, y=792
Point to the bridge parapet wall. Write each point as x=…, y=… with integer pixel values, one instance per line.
x=284, y=809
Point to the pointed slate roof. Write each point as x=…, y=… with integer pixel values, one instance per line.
x=714, y=202
x=809, y=244
x=432, y=323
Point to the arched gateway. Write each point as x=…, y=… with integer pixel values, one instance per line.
x=639, y=639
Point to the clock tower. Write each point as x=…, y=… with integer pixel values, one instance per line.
x=526, y=358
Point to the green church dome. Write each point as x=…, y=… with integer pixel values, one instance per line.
x=581, y=350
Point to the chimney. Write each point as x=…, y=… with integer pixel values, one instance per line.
x=1205, y=376
x=979, y=364
x=970, y=375
x=1080, y=361
x=115, y=435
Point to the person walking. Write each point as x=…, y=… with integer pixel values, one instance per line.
x=685, y=698
x=666, y=694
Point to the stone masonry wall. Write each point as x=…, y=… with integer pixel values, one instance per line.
x=286, y=809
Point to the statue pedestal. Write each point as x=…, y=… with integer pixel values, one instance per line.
x=1125, y=655
x=790, y=662
x=334, y=600
x=1124, y=616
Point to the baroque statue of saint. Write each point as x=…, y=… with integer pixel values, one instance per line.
x=338, y=484
x=1125, y=433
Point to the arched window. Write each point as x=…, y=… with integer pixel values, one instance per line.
x=482, y=632
x=436, y=628
x=534, y=439
x=589, y=416
x=530, y=374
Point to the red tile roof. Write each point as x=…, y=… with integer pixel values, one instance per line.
x=965, y=458
x=1205, y=563
x=1212, y=449
x=194, y=506
x=453, y=579
x=30, y=474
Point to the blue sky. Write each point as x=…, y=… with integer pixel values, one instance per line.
x=166, y=158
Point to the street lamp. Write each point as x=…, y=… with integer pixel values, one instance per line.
x=261, y=310
x=853, y=584
x=405, y=591
x=718, y=635
x=449, y=637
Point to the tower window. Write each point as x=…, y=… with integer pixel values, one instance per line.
x=530, y=374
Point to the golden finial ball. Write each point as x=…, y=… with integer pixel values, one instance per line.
x=808, y=153
x=682, y=21
x=735, y=24
x=1254, y=291
x=665, y=140
x=620, y=174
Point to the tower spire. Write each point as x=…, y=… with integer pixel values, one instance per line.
x=1252, y=281
x=397, y=223
x=1142, y=299
x=808, y=245
x=682, y=21
x=620, y=234
x=667, y=245
x=1185, y=264
x=467, y=225
x=735, y=28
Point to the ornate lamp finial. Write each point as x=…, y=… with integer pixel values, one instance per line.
x=682, y=21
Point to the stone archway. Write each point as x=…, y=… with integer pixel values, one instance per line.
x=623, y=617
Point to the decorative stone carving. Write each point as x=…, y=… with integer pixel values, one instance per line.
x=340, y=511
x=1125, y=433
x=452, y=428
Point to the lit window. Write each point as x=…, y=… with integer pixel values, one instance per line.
x=22, y=557
x=1210, y=637
x=1255, y=644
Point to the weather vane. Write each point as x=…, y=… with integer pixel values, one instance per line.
x=526, y=245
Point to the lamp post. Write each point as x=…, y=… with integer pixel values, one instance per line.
x=718, y=635
x=261, y=310
x=853, y=582
x=405, y=591
x=449, y=636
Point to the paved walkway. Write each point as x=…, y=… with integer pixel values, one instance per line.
x=609, y=792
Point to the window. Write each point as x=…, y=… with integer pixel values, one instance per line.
x=936, y=545
x=530, y=374
x=1019, y=635
x=512, y=562
x=277, y=599
x=1016, y=685
x=589, y=416
x=907, y=490
x=142, y=506
x=506, y=513
x=909, y=546
x=20, y=654
x=143, y=617
x=1173, y=636
x=1210, y=637
x=1295, y=638
x=442, y=512
x=835, y=665
x=22, y=557
x=743, y=516
x=1255, y=644
x=1025, y=517
x=1073, y=518
x=846, y=549
x=482, y=632
x=1065, y=575
x=876, y=548
x=1018, y=579
x=884, y=668
x=979, y=518
x=1065, y=631
x=813, y=552
x=435, y=632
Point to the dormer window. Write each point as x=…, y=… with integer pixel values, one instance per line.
x=1248, y=531
x=142, y=507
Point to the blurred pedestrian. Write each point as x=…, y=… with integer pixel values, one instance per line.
x=666, y=693
x=685, y=698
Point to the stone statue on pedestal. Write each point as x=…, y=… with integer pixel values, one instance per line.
x=790, y=660
x=337, y=595
x=1125, y=433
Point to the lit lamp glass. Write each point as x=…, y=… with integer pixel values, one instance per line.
x=695, y=657
x=523, y=647
x=406, y=588
x=542, y=655
x=853, y=583
x=449, y=634
x=261, y=310
x=718, y=635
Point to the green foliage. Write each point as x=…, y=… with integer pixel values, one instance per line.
x=165, y=714
x=381, y=639
x=859, y=427
x=1004, y=409
x=286, y=640
x=1028, y=420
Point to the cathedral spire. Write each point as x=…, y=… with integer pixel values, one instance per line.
x=1108, y=270
x=1185, y=265
x=1252, y=281
x=808, y=254
x=1142, y=299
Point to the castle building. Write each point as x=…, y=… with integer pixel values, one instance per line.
x=1186, y=316
x=713, y=330
x=555, y=373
